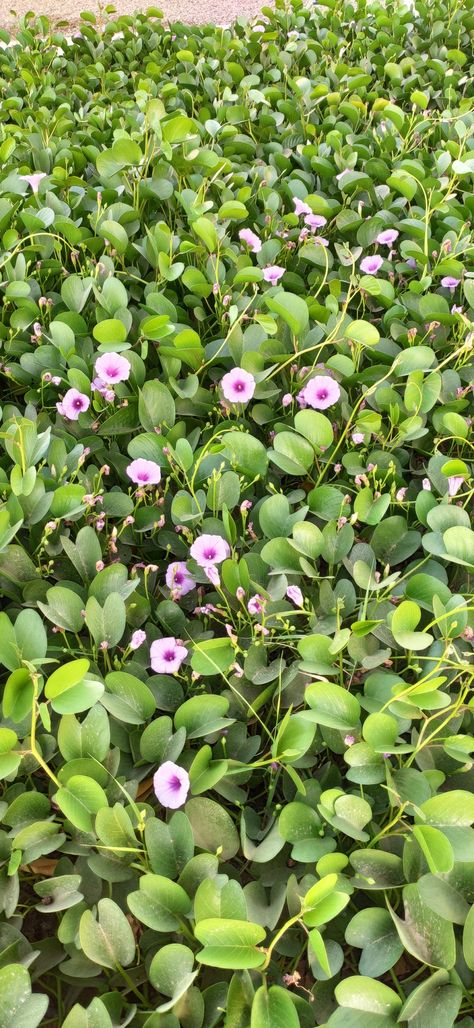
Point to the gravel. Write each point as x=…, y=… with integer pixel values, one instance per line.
x=192, y=12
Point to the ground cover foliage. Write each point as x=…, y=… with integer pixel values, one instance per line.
x=235, y=542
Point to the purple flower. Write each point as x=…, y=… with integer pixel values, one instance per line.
x=238, y=385
x=301, y=207
x=401, y=493
x=349, y=740
x=426, y=485
x=256, y=604
x=321, y=392
x=286, y=399
x=72, y=404
x=209, y=549
x=387, y=237
x=371, y=265
x=251, y=239
x=454, y=484
x=295, y=595
x=273, y=274
x=112, y=368
x=178, y=578
x=171, y=785
x=34, y=180
x=411, y=262
x=321, y=240
x=357, y=437
x=167, y=655
x=137, y=639
x=449, y=282
x=144, y=472
x=314, y=221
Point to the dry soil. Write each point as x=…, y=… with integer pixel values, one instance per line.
x=193, y=12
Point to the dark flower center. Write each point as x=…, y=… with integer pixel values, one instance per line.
x=77, y=403
x=178, y=578
x=210, y=553
x=239, y=387
x=322, y=394
x=169, y=655
x=174, y=783
x=142, y=476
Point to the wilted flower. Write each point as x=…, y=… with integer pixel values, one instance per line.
x=454, y=484
x=112, y=368
x=209, y=549
x=301, y=207
x=387, y=237
x=72, y=404
x=238, y=385
x=449, y=282
x=144, y=472
x=314, y=221
x=179, y=579
x=167, y=655
x=426, y=485
x=295, y=595
x=400, y=494
x=171, y=785
x=273, y=274
x=34, y=180
x=357, y=437
x=212, y=574
x=349, y=740
x=256, y=604
x=286, y=399
x=137, y=639
x=371, y=265
x=321, y=392
x=251, y=239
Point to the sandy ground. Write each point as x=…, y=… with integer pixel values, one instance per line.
x=221, y=12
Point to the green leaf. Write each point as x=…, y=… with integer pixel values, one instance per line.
x=212, y=657
x=333, y=706
x=127, y=698
x=155, y=406
x=18, y=1005
x=436, y=848
x=363, y=332
x=107, y=940
x=212, y=826
x=405, y=619
x=360, y=993
x=80, y=800
x=229, y=944
x=293, y=309
x=468, y=939
x=435, y=1001
x=273, y=1008
x=160, y=904
x=95, y=1016
x=171, y=973
x=424, y=934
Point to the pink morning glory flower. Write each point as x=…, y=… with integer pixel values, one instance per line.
x=286, y=399
x=426, y=484
x=171, y=785
x=144, y=472
x=301, y=207
x=349, y=740
x=314, y=221
x=449, y=282
x=34, y=180
x=295, y=595
x=137, y=639
x=251, y=239
x=167, y=655
x=209, y=549
x=178, y=578
x=256, y=604
x=371, y=265
x=112, y=368
x=387, y=237
x=411, y=262
x=212, y=574
x=72, y=404
x=454, y=484
x=321, y=392
x=357, y=437
x=273, y=274
x=321, y=240
x=238, y=385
